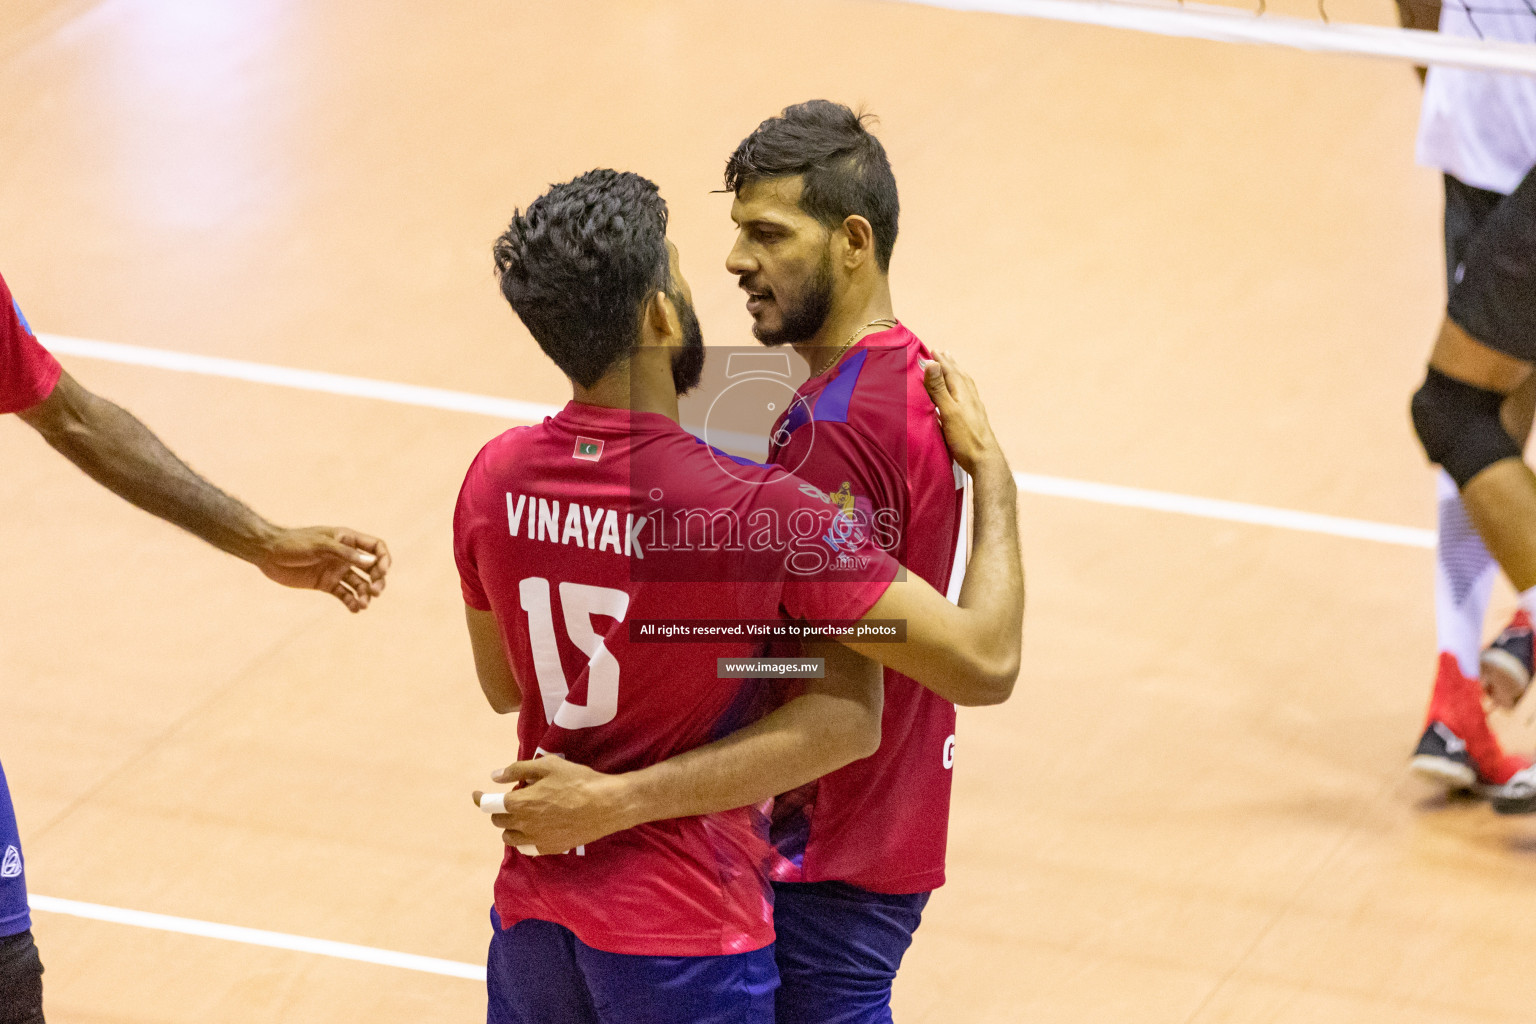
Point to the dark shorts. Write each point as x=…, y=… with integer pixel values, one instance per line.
x=21, y=980
x=14, y=915
x=1490, y=261
x=838, y=948
x=541, y=973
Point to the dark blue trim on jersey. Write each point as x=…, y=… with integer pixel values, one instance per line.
x=790, y=836
x=798, y=416
x=19, y=316
x=740, y=460
x=832, y=403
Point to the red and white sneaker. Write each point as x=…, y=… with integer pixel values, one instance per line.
x=1458, y=750
x=1506, y=663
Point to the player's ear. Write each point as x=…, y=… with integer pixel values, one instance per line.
x=859, y=241
x=659, y=321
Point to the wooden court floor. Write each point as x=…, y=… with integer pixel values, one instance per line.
x=1174, y=265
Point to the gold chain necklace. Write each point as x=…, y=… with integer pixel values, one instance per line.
x=884, y=321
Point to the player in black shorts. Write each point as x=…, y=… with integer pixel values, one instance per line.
x=1473, y=416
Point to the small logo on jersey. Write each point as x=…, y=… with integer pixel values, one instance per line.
x=949, y=751
x=843, y=497
x=588, y=448
x=10, y=867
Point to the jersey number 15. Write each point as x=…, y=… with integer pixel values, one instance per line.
x=579, y=602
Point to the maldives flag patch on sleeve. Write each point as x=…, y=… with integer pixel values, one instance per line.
x=588, y=448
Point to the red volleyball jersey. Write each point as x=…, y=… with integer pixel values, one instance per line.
x=577, y=533
x=28, y=372
x=867, y=434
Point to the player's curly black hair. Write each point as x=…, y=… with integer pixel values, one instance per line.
x=844, y=167
x=578, y=264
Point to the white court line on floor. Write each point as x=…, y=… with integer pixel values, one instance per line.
x=256, y=937
x=532, y=412
x=1232, y=511
x=509, y=409
x=1229, y=25
x=305, y=380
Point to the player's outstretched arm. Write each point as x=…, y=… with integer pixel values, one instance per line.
x=123, y=455
x=967, y=654
x=836, y=720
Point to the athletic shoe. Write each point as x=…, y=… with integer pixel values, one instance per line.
x=1506, y=663
x=1458, y=750
x=1517, y=796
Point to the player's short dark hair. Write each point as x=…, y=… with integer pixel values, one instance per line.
x=578, y=264
x=843, y=166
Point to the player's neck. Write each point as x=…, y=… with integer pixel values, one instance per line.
x=639, y=388
x=859, y=308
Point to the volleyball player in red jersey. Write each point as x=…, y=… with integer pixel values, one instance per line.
x=861, y=849
x=122, y=455
x=560, y=551
x=667, y=921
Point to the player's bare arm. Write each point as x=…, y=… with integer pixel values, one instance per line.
x=496, y=679
x=967, y=654
x=562, y=805
x=117, y=451
x=1420, y=14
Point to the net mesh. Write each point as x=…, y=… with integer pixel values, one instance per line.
x=1500, y=35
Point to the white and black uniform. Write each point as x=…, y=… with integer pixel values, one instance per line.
x=1479, y=129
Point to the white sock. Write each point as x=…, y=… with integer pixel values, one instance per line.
x=1464, y=573
x=1528, y=601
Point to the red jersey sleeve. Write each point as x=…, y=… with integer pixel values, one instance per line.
x=851, y=578
x=861, y=482
x=816, y=600
x=857, y=472
x=28, y=372
x=469, y=519
x=863, y=478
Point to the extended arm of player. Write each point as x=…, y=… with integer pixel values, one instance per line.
x=836, y=720
x=123, y=455
x=968, y=654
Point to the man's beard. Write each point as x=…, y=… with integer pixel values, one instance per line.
x=804, y=318
x=688, y=364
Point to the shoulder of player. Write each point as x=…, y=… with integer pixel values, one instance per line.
x=709, y=472
x=508, y=450
x=516, y=440
x=861, y=435
x=872, y=398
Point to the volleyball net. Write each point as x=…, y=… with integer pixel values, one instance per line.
x=1258, y=25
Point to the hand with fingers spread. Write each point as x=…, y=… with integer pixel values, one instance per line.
x=346, y=564
x=559, y=805
x=961, y=412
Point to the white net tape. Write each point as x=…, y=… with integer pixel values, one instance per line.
x=1229, y=25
